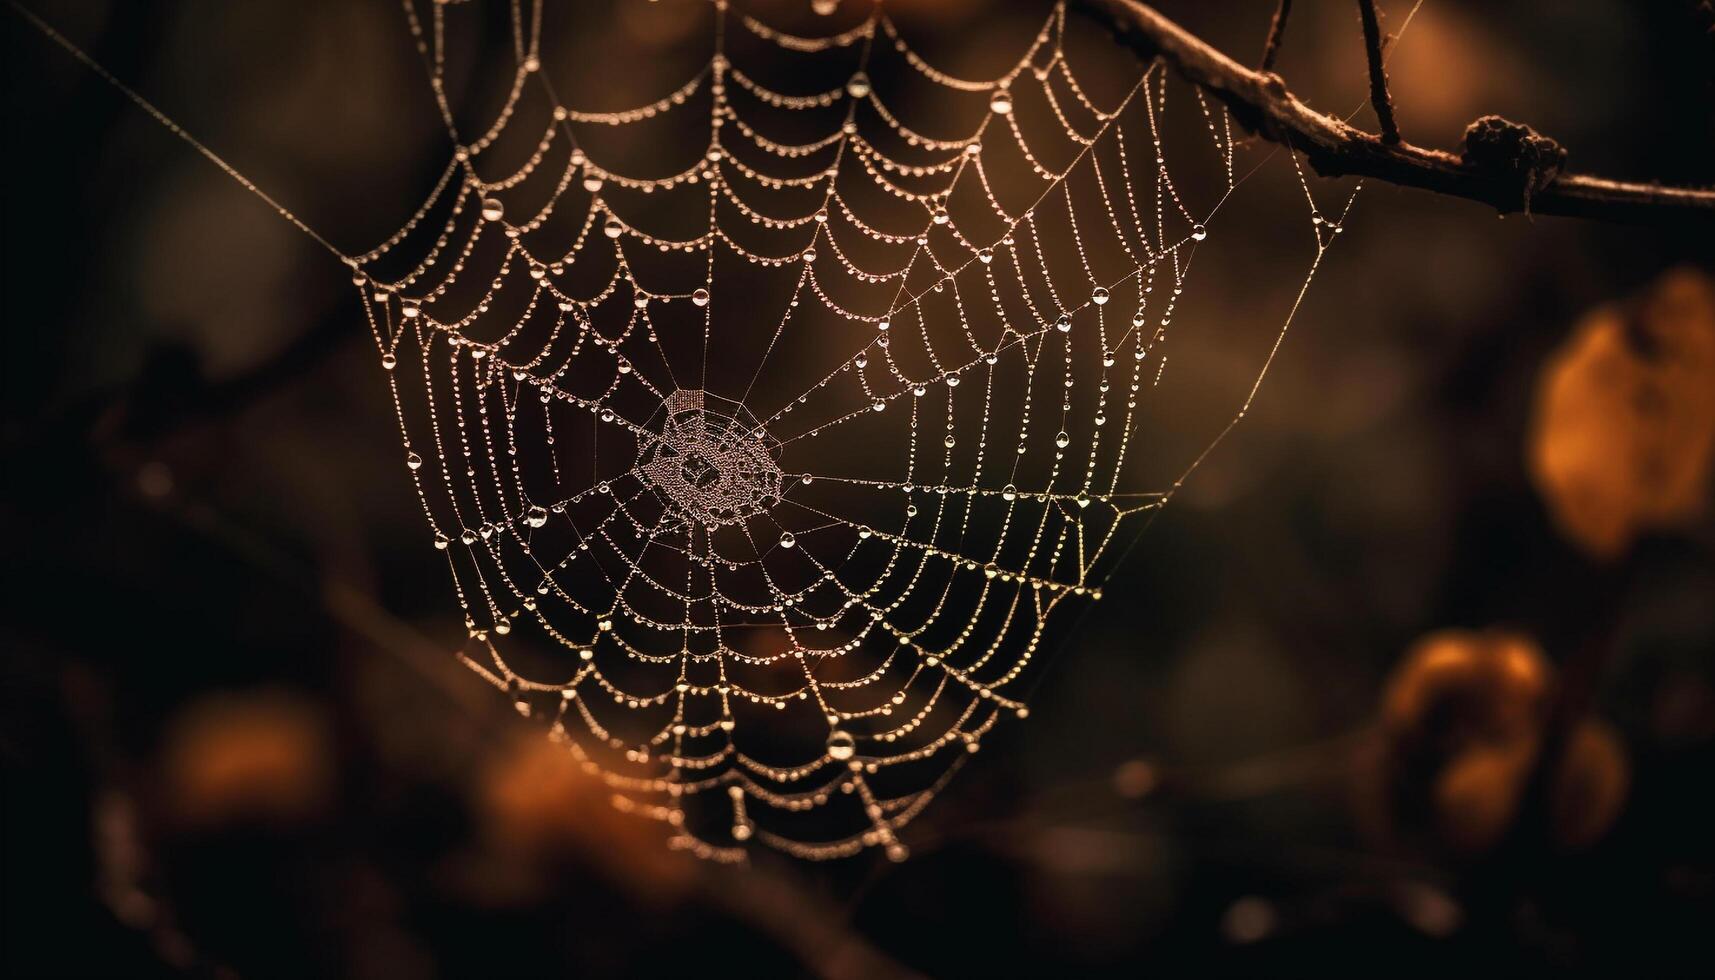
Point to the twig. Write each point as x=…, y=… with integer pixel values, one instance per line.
x=1276, y=31
x=1262, y=103
x=1379, y=96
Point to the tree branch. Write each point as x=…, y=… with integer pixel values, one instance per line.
x=1260, y=102
x=1276, y=32
x=1379, y=97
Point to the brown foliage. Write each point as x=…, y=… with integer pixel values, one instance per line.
x=247, y=757
x=538, y=805
x=1590, y=785
x=1624, y=425
x=1462, y=720
x=1457, y=689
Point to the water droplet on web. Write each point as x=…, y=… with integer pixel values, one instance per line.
x=700, y=297
x=612, y=228
x=492, y=209
x=1000, y=103
x=1064, y=323
x=787, y=540
x=1100, y=296
x=1198, y=233
x=413, y=461
x=858, y=87
x=537, y=516
x=1062, y=440
x=841, y=745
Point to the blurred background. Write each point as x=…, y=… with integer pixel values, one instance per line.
x=1415, y=673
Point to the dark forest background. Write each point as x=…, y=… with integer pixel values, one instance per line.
x=235, y=741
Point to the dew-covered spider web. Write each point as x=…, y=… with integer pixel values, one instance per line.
x=774, y=430
x=761, y=466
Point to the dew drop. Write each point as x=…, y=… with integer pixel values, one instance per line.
x=1198, y=233
x=841, y=745
x=1001, y=102
x=787, y=540
x=1064, y=323
x=858, y=87
x=413, y=461
x=1100, y=296
x=700, y=297
x=537, y=516
x=492, y=209
x=1062, y=440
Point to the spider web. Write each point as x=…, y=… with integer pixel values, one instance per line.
x=760, y=481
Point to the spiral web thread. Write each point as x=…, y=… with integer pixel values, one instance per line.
x=774, y=588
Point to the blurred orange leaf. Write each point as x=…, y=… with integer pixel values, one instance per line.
x=538, y=803
x=1477, y=795
x=1590, y=785
x=253, y=756
x=1457, y=687
x=1624, y=425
